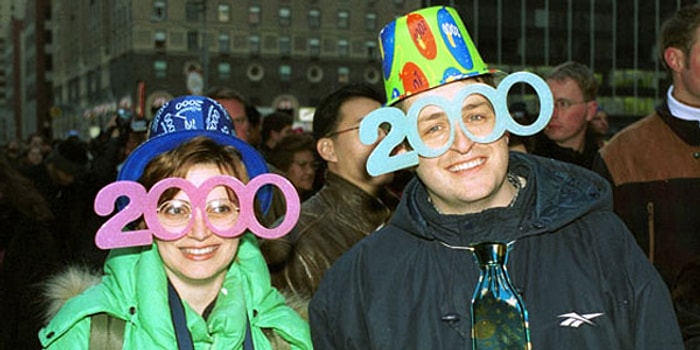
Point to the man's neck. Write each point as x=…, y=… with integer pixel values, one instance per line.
x=577, y=143
x=680, y=109
x=365, y=186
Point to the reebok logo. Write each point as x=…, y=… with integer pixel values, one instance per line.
x=575, y=320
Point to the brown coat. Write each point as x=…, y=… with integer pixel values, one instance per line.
x=654, y=165
x=331, y=222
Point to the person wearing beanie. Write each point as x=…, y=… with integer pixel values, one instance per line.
x=488, y=249
x=187, y=273
x=65, y=180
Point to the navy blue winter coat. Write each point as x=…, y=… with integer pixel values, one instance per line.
x=584, y=281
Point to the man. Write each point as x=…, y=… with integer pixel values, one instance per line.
x=565, y=138
x=600, y=128
x=574, y=268
x=275, y=126
x=68, y=181
x=235, y=105
x=653, y=163
x=351, y=204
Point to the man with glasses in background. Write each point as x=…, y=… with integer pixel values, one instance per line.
x=566, y=138
x=351, y=204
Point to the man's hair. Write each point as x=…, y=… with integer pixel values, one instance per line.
x=581, y=74
x=282, y=155
x=275, y=121
x=327, y=115
x=225, y=93
x=679, y=31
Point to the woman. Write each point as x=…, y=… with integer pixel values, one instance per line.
x=200, y=288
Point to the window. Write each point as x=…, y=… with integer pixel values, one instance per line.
x=371, y=21
x=192, y=40
x=193, y=10
x=343, y=19
x=159, y=10
x=223, y=13
x=343, y=48
x=285, y=73
x=314, y=18
x=285, y=46
x=254, y=45
x=343, y=74
x=285, y=16
x=160, y=68
x=371, y=47
x=254, y=14
x=314, y=47
x=159, y=39
x=224, y=43
x=224, y=70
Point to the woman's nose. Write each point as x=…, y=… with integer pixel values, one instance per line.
x=200, y=231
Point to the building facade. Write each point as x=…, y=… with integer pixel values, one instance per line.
x=280, y=54
x=99, y=56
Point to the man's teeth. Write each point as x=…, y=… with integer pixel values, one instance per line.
x=198, y=251
x=467, y=165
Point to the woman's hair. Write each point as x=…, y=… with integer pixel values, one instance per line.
x=199, y=150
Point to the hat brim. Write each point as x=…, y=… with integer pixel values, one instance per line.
x=133, y=167
x=497, y=75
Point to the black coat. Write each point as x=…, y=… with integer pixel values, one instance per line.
x=402, y=288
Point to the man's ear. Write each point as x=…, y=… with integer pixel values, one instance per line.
x=326, y=149
x=592, y=109
x=674, y=58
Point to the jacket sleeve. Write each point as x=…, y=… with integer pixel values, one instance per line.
x=686, y=299
x=336, y=313
x=653, y=317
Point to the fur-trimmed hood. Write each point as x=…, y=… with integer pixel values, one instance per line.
x=70, y=282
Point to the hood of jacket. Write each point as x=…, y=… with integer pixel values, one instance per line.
x=134, y=288
x=555, y=194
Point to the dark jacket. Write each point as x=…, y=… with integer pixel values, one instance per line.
x=402, y=288
x=654, y=166
x=547, y=148
x=332, y=221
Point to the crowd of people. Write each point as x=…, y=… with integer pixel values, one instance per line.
x=460, y=238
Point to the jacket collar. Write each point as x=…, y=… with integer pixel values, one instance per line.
x=556, y=194
x=687, y=130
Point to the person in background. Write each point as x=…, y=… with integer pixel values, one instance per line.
x=201, y=289
x=525, y=144
x=255, y=130
x=275, y=126
x=532, y=240
x=28, y=254
x=67, y=181
x=32, y=157
x=565, y=138
x=653, y=163
x=599, y=127
x=13, y=152
x=236, y=106
x=295, y=158
x=351, y=204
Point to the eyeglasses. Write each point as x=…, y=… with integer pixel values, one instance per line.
x=175, y=214
x=383, y=128
x=564, y=104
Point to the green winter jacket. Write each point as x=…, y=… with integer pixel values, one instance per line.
x=134, y=288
